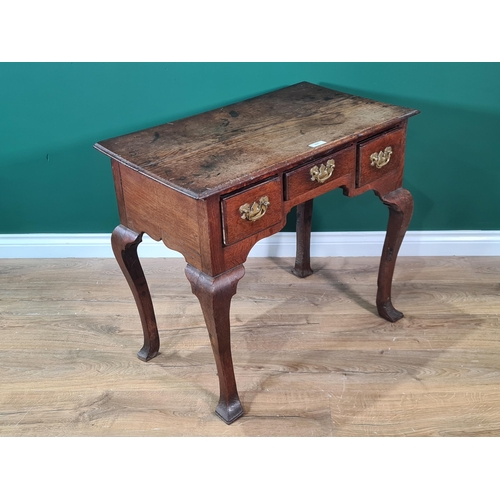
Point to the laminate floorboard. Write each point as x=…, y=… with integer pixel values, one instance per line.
x=311, y=356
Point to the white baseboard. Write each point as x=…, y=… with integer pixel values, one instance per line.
x=323, y=244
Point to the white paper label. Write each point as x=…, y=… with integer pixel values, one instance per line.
x=316, y=144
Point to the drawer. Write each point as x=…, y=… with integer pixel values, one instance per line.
x=381, y=155
x=252, y=210
x=315, y=175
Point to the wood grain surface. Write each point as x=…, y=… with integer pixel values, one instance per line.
x=311, y=356
x=203, y=154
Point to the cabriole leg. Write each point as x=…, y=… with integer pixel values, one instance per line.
x=215, y=296
x=400, y=203
x=124, y=242
x=302, y=267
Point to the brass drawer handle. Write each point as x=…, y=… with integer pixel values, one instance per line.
x=256, y=210
x=381, y=158
x=323, y=172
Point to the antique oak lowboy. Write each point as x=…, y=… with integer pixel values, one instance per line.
x=210, y=186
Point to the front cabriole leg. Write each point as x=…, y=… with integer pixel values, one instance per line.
x=400, y=203
x=124, y=242
x=214, y=294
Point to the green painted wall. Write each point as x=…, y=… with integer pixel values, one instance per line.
x=53, y=181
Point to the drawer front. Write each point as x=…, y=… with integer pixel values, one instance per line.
x=315, y=175
x=252, y=210
x=381, y=155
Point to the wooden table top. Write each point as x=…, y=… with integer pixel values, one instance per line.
x=241, y=143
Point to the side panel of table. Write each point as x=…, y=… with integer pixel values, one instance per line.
x=147, y=206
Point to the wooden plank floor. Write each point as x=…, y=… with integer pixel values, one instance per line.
x=311, y=356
